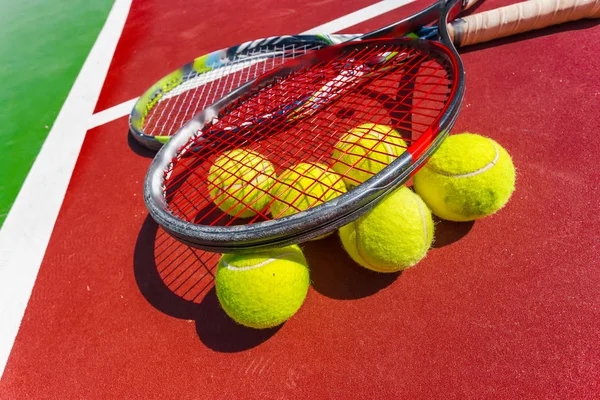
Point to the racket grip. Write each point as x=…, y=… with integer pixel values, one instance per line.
x=518, y=18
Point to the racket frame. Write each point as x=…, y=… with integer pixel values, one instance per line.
x=220, y=58
x=205, y=64
x=326, y=217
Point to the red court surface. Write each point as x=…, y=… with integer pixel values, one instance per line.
x=506, y=307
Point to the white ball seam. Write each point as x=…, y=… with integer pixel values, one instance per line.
x=232, y=267
x=474, y=173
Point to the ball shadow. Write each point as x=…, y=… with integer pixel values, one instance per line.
x=448, y=232
x=334, y=274
x=186, y=289
x=219, y=332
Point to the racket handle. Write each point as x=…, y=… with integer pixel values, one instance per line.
x=518, y=18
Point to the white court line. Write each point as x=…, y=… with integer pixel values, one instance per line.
x=110, y=114
x=28, y=226
x=123, y=109
x=372, y=11
x=361, y=15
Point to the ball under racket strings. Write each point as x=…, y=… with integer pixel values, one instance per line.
x=297, y=115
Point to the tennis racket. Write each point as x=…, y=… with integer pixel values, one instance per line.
x=412, y=87
x=180, y=95
x=175, y=99
x=172, y=101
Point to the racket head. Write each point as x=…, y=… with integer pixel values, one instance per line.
x=177, y=187
x=177, y=97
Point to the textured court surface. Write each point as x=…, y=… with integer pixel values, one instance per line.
x=506, y=307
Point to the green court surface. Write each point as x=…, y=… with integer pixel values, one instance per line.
x=43, y=46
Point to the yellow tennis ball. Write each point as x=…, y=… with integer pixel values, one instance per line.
x=469, y=177
x=304, y=186
x=264, y=289
x=393, y=236
x=239, y=182
x=366, y=150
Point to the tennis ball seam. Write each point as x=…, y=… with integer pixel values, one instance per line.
x=232, y=267
x=481, y=170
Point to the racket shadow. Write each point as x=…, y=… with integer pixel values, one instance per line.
x=334, y=274
x=178, y=281
x=138, y=148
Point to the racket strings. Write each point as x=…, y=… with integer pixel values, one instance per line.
x=311, y=180
x=302, y=118
x=197, y=90
x=419, y=102
x=300, y=147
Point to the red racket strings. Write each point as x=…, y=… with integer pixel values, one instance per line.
x=300, y=118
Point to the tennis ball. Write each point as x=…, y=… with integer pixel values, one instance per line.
x=393, y=236
x=366, y=150
x=304, y=186
x=469, y=177
x=264, y=289
x=239, y=182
